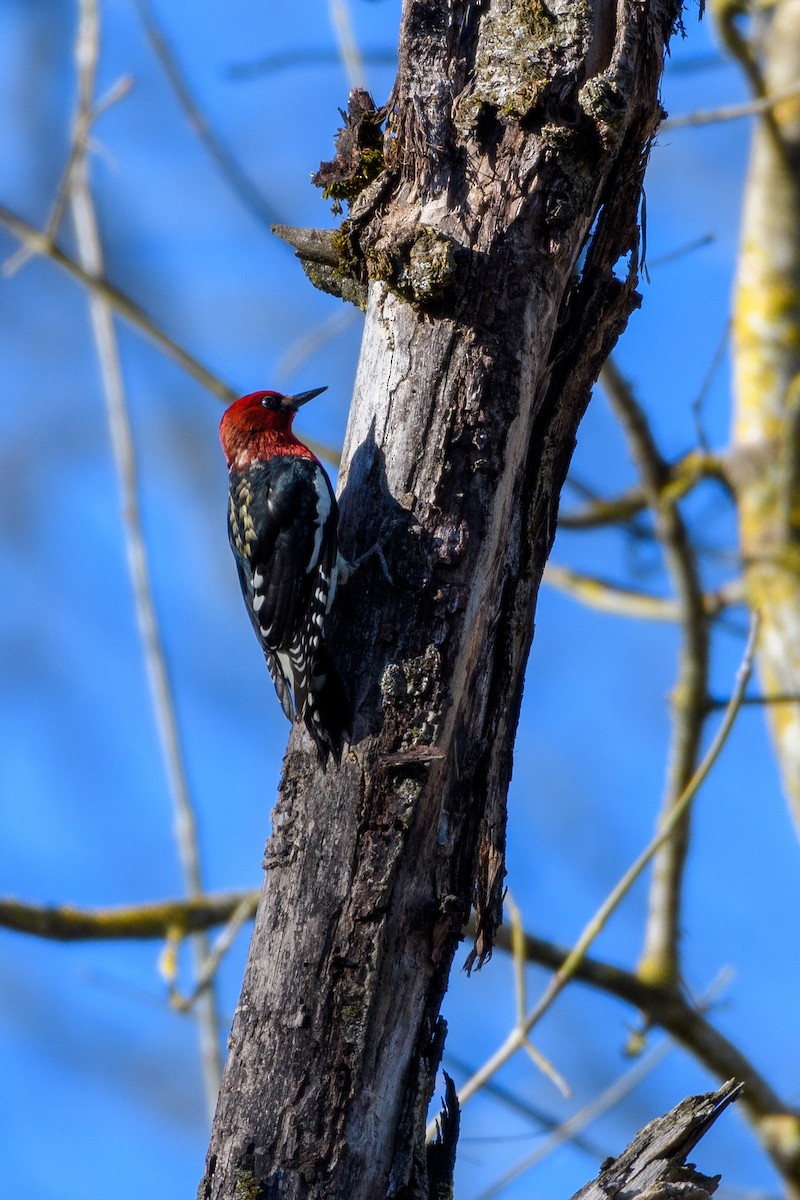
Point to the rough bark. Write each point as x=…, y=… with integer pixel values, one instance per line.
x=654, y=1166
x=516, y=139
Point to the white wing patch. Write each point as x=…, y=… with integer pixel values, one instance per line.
x=322, y=514
x=286, y=666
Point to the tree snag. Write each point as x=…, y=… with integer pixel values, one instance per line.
x=515, y=142
x=654, y=1166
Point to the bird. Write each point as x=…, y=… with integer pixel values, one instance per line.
x=283, y=530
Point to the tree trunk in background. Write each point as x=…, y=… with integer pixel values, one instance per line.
x=767, y=373
x=512, y=126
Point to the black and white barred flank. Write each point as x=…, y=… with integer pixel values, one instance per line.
x=283, y=522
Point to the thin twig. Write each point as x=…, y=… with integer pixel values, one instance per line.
x=233, y=174
x=244, y=912
x=545, y=1120
x=135, y=316
x=348, y=46
x=308, y=344
x=665, y=1007
x=609, y=1098
x=682, y=476
x=705, y=387
x=730, y=112
x=668, y=1008
x=699, y=243
x=39, y=243
x=82, y=124
x=91, y=256
x=518, y=955
x=717, y=702
x=660, y=956
x=571, y=963
x=290, y=60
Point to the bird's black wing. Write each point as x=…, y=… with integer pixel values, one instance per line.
x=283, y=532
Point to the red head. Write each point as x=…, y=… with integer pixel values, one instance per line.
x=260, y=425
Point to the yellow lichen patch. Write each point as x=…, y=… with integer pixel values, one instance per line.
x=766, y=346
x=781, y=1131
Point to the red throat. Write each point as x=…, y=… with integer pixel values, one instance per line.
x=248, y=432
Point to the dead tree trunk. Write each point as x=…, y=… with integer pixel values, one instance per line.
x=515, y=141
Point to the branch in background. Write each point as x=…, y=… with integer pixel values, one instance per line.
x=667, y=1007
x=244, y=912
x=698, y=403
x=65, y=923
x=518, y=956
x=698, y=243
x=349, y=53
x=608, y=1099
x=289, y=60
x=682, y=476
x=83, y=121
x=660, y=956
x=233, y=174
x=598, y=922
x=715, y=702
x=664, y=1006
x=90, y=252
x=627, y=602
x=38, y=243
x=731, y=112
x=538, y=1116
x=308, y=344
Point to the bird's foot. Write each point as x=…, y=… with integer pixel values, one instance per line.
x=348, y=569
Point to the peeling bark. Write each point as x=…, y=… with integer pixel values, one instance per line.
x=516, y=141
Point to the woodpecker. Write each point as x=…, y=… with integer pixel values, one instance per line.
x=283, y=529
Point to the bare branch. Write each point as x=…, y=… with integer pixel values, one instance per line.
x=660, y=957
x=654, y=1164
x=64, y=923
x=627, y=602
x=308, y=344
x=595, y=926
x=349, y=52
x=731, y=112
x=233, y=174
x=609, y=1098
x=668, y=1007
x=39, y=243
x=289, y=60
x=91, y=256
x=122, y=304
x=244, y=912
x=682, y=477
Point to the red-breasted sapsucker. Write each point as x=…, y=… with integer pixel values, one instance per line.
x=283, y=529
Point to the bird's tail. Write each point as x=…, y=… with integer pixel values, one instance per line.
x=326, y=711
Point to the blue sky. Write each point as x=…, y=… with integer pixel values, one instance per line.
x=98, y=1079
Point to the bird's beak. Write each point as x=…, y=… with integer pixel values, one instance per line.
x=294, y=402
